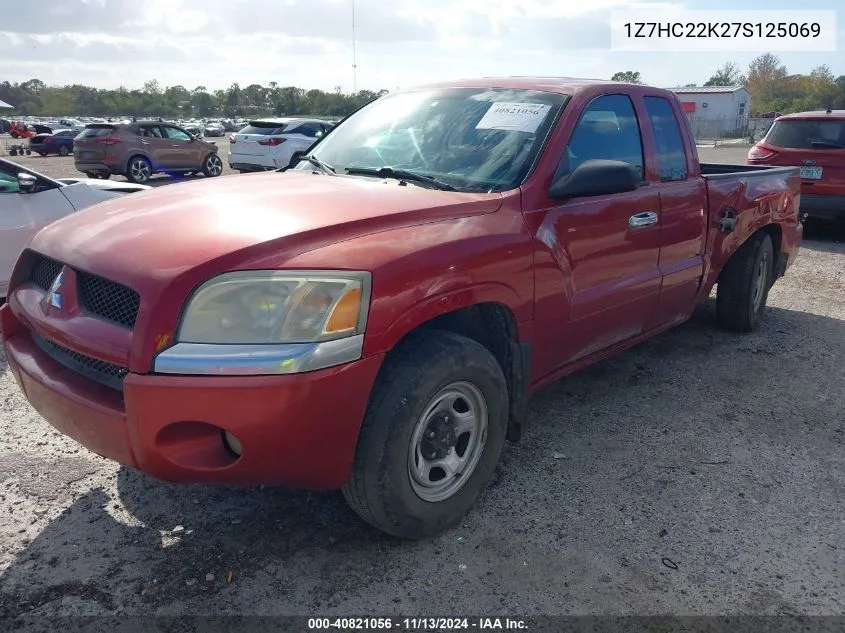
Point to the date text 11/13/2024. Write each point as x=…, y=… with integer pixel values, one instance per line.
x=416, y=624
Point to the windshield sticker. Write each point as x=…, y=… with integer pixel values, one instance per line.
x=517, y=117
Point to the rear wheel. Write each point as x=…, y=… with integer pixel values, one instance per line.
x=212, y=166
x=431, y=437
x=139, y=170
x=744, y=285
x=42, y=153
x=63, y=150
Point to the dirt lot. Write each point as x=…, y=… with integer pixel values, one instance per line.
x=701, y=472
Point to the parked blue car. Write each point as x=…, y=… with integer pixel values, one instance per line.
x=59, y=142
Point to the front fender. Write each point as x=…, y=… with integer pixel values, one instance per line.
x=435, y=305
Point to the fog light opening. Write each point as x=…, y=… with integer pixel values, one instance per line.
x=232, y=444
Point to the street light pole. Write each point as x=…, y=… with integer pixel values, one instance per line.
x=354, y=56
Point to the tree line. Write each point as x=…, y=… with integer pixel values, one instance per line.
x=35, y=98
x=772, y=87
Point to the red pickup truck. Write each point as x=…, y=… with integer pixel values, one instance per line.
x=375, y=317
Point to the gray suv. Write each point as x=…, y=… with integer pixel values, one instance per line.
x=140, y=149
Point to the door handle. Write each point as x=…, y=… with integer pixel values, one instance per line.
x=642, y=220
x=144, y=142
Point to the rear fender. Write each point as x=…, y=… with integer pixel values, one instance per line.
x=738, y=209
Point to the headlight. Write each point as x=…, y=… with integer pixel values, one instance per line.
x=277, y=307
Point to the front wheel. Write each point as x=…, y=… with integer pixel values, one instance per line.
x=63, y=150
x=212, y=166
x=139, y=170
x=744, y=285
x=432, y=436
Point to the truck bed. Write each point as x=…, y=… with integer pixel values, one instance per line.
x=715, y=171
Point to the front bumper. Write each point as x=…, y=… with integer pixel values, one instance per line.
x=296, y=430
x=823, y=207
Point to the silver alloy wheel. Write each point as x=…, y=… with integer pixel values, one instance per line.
x=761, y=280
x=140, y=170
x=448, y=441
x=214, y=165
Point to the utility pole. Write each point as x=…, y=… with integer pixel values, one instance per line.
x=354, y=56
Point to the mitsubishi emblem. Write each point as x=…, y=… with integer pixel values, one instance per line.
x=54, y=294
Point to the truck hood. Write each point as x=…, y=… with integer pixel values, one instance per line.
x=240, y=221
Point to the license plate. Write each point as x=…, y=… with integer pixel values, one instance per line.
x=811, y=173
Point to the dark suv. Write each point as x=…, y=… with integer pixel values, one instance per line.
x=140, y=149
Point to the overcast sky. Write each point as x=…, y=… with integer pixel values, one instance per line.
x=308, y=43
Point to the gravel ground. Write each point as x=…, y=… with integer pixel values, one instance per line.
x=699, y=473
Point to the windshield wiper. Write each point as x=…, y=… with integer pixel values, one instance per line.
x=826, y=145
x=400, y=174
x=324, y=167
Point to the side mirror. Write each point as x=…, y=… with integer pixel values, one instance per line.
x=596, y=178
x=27, y=182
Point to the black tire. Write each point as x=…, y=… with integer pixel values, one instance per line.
x=212, y=166
x=63, y=150
x=744, y=285
x=139, y=170
x=42, y=153
x=380, y=488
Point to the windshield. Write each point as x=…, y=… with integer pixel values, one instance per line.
x=807, y=134
x=474, y=139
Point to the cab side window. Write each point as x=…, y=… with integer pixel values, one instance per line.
x=671, y=157
x=607, y=130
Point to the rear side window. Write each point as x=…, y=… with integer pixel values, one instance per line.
x=607, y=130
x=150, y=131
x=266, y=128
x=807, y=134
x=671, y=157
x=96, y=130
x=311, y=130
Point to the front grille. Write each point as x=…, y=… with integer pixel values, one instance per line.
x=97, y=370
x=44, y=271
x=107, y=299
x=99, y=297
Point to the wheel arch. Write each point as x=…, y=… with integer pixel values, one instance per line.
x=493, y=324
x=775, y=233
x=138, y=154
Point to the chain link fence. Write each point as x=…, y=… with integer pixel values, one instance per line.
x=739, y=131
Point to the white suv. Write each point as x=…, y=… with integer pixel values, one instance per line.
x=271, y=143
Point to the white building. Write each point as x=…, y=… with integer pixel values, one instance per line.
x=711, y=103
